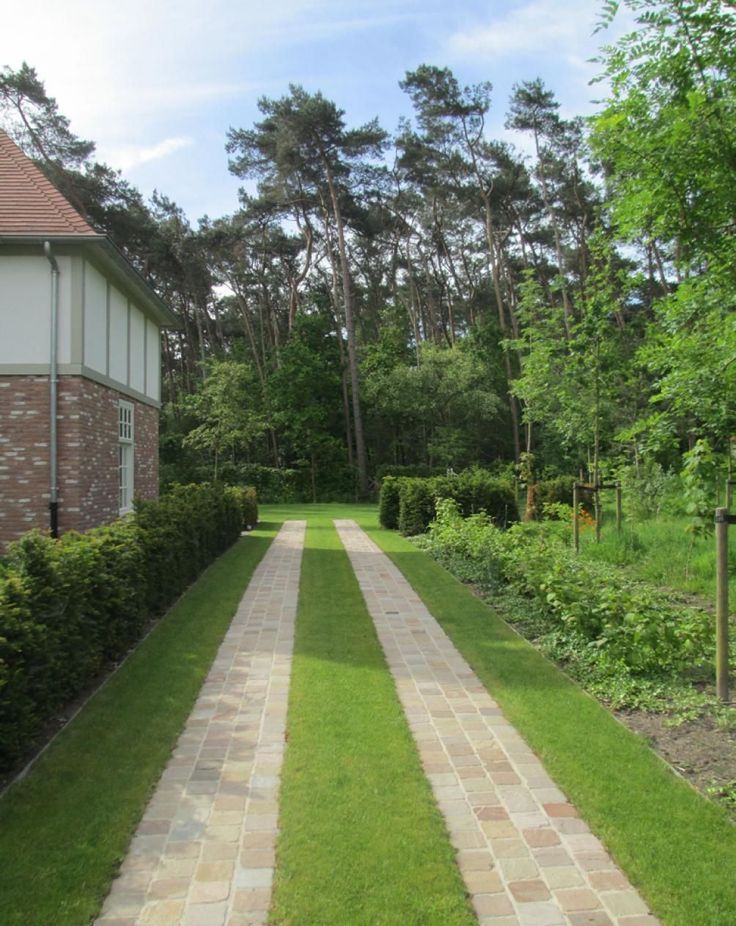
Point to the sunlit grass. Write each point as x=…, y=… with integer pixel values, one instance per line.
x=662, y=551
x=361, y=840
x=676, y=847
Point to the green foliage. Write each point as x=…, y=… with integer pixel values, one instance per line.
x=389, y=503
x=226, y=411
x=645, y=488
x=416, y=505
x=409, y=469
x=247, y=501
x=474, y=490
x=556, y=490
x=667, y=139
x=271, y=483
x=68, y=607
x=697, y=477
x=443, y=404
x=622, y=623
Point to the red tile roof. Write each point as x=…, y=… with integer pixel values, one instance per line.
x=29, y=203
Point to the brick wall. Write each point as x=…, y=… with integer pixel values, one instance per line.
x=88, y=453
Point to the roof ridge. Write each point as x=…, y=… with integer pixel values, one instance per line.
x=60, y=211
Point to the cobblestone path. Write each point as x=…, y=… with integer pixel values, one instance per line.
x=203, y=854
x=525, y=855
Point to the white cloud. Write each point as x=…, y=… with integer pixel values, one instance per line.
x=539, y=26
x=128, y=157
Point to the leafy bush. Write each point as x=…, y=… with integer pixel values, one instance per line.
x=625, y=622
x=396, y=469
x=416, y=505
x=698, y=479
x=554, y=491
x=474, y=490
x=645, y=488
x=388, y=503
x=247, y=500
x=70, y=606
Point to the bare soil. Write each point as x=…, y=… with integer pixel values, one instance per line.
x=699, y=750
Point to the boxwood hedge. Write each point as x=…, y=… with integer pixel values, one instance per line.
x=409, y=503
x=70, y=607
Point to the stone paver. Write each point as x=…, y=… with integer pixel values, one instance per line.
x=203, y=854
x=526, y=856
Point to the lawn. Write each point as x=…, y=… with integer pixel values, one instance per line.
x=362, y=841
x=65, y=828
x=676, y=847
x=359, y=828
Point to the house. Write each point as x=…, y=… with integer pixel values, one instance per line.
x=80, y=343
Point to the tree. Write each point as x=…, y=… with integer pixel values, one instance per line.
x=226, y=411
x=302, y=149
x=667, y=140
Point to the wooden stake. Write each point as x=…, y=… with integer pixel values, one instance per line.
x=619, y=512
x=575, y=519
x=598, y=514
x=722, y=603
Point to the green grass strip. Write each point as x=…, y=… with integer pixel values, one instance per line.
x=65, y=828
x=362, y=841
x=676, y=847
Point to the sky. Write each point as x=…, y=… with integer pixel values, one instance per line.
x=157, y=83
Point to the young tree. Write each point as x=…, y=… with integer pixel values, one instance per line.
x=226, y=410
x=667, y=138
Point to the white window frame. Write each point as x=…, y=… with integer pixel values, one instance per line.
x=126, y=456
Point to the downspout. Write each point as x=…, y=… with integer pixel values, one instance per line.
x=53, y=394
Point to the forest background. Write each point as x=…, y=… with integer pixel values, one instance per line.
x=435, y=298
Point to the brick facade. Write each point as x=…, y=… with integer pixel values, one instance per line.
x=88, y=453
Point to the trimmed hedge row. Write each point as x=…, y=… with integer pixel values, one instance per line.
x=409, y=504
x=557, y=490
x=247, y=500
x=69, y=607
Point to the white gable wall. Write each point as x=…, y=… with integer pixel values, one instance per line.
x=102, y=334
x=118, y=368
x=137, y=349
x=95, y=320
x=25, y=301
x=120, y=343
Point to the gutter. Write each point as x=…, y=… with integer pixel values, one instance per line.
x=53, y=393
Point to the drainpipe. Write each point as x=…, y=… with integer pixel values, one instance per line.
x=53, y=399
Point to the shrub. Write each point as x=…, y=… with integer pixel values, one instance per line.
x=474, y=490
x=388, y=503
x=416, y=505
x=414, y=469
x=554, y=491
x=247, y=501
x=70, y=606
x=623, y=622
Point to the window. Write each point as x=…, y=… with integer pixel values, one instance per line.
x=125, y=456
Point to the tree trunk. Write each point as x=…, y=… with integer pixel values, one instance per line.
x=350, y=326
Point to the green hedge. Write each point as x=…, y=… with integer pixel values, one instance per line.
x=69, y=607
x=247, y=500
x=388, y=502
x=409, y=504
x=557, y=490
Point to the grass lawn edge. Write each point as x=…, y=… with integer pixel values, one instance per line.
x=675, y=846
x=66, y=826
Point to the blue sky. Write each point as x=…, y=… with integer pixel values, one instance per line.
x=157, y=83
